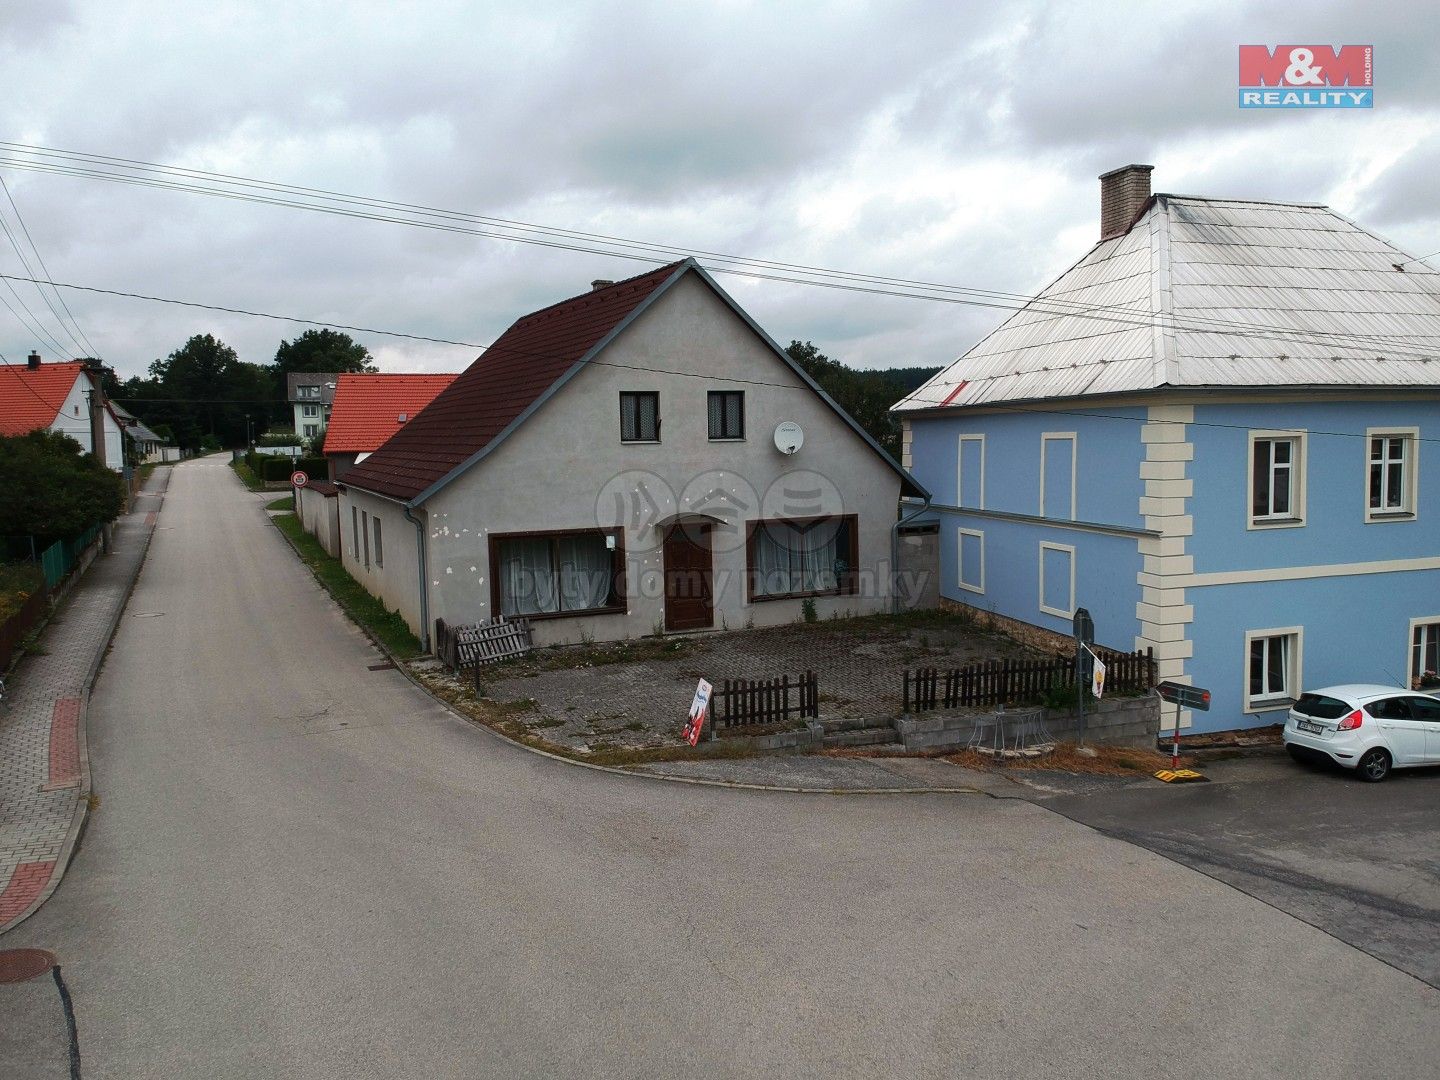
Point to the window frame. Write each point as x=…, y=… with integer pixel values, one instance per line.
x=637, y=394
x=960, y=471
x=725, y=393
x=1070, y=550
x=1414, y=651
x=1410, y=475
x=1046, y=438
x=379, y=541
x=310, y=412
x=354, y=532
x=845, y=585
x=618, y=593
x=1294, y=674
x=960, y=582
x=1294, y=518
x=365, y=536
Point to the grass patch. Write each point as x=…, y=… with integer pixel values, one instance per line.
x=1108, y=761
x=248, y=478
x=386, y=626
x=287, y=504
x=18, y=582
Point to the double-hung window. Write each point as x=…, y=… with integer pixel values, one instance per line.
x=1277, y=479
x=310, y=410
x=809, y=557
x=727, y=414
x=639, y=417
x=557, y=573
x=1390, y=474
x=1425, y=654
x=1272, y=668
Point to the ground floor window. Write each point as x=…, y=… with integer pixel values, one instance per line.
x=1425, y=655
x=557, y=573
x=1272, y=668
x=809, y=557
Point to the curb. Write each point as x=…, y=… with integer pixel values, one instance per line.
x=81, y=816
x=614, y=770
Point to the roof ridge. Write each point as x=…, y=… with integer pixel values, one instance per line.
x=1247, y=202
x=1165, y=363
x=602, y=291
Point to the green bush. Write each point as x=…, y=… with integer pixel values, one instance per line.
x=273, y=468
x=317, y=468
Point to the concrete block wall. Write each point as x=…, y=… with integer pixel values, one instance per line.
x=1130, y=721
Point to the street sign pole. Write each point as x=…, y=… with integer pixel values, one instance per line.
x=1083, y=628
x=1183, y=697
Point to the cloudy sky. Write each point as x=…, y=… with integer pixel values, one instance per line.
x=944, y=141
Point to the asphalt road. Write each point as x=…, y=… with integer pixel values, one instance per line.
x=1360, y=861
x=304, y=868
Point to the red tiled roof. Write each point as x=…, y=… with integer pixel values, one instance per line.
x=491, y=393
x=367, y=406
x=32, y=399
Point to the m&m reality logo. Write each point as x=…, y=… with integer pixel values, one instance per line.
x=1307, y=77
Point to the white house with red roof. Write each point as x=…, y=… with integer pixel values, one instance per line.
x=642, y=458
x=55, y=397
x=369, y=407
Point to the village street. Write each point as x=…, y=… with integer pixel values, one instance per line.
x=302, y=866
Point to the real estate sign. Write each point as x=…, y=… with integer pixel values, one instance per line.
x=699, y=708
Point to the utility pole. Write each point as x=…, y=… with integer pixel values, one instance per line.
x=96, y=370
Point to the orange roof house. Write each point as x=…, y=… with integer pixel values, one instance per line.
x=369, y=408
x=55, y=397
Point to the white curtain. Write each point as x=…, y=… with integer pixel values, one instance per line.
x=819, y=549
x=585, y=572
x=799, y=559
x=527, y=582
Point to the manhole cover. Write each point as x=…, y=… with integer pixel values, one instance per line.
x=17, y=965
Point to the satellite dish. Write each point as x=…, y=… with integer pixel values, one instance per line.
x=788, y=437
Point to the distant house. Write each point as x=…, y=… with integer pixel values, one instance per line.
x=368, y=408
x=147, y=445
x=56, y=397
x=310, y=394
x=639, y=459
x=1210, y=432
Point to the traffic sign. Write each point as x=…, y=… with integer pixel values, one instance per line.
x=1187, y=697
x=1083, y=626
x=299, y=479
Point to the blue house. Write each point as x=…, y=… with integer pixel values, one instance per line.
x=1212, y=433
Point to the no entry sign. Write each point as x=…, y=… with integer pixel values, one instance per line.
x=299, y=479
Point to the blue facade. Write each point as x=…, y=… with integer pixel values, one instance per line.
x=1237, y=540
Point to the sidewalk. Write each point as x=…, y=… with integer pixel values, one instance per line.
x=44, y=768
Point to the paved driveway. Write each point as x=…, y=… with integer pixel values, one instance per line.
x=303, y=868
x=1360, y=861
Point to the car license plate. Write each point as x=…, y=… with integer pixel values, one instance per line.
x=1306, y=725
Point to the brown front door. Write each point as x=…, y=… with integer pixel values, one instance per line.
x=688, y=570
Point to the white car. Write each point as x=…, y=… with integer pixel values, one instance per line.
x=1371, y=729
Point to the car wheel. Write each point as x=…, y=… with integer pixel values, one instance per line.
x=1374, y=766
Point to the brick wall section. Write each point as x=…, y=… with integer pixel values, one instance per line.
x=1123, y=194
x=1036, y=637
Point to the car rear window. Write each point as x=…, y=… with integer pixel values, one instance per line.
x=1326, y=708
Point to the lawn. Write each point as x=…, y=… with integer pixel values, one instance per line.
x=287, y=504
x=385, y=626
x=251, y=481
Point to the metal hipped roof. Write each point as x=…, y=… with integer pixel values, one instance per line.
x=1213, y=293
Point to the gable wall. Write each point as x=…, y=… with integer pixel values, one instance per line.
x=565, y=467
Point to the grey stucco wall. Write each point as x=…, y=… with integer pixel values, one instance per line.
x=396, y=582
x=320, y=515
x=566, y=468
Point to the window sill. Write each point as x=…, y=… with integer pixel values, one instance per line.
x=1384, y=517
x=1276, y=523
x=740, y=438
x=800, y=595
x=639, y=442
x=1269, y=705
x=613, y=609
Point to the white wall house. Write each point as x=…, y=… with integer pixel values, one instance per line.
x=638, y=459
x=57, y=397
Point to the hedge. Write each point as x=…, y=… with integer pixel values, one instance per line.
x=280, y=468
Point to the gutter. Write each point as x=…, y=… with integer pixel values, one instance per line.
x=420, y=565
x=895, y=554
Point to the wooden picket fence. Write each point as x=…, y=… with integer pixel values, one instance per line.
x=459, y=647
x=1009, y=682
x=747, y=702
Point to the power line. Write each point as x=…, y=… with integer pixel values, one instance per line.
x=89, y=348
x=644, y=251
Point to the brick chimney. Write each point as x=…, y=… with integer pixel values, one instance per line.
x=1123, y=194
x=600, y=283
x=34, y=361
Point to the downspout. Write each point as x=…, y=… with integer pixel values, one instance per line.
x=424, y=578
x=895, y=554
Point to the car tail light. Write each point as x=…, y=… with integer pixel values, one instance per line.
x=1351, y=722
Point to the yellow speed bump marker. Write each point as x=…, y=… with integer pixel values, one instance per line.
x=1181, y=776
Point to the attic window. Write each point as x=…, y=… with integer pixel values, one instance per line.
x=402, y=418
